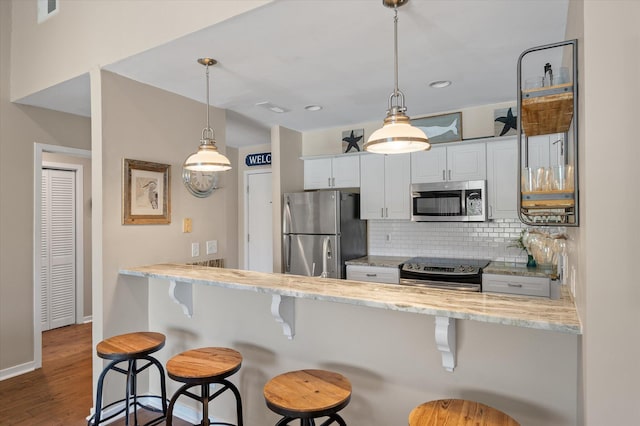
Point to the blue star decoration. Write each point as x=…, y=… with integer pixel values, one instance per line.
x=352, y=140
x=509, y=122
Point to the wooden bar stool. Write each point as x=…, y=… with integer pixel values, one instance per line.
x=203, y=367
x=130, y=348
x=458, y=412
x=307, y=395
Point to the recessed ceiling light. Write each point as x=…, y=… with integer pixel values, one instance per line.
x=439, y=84
x=272, y=107
x=313, y=107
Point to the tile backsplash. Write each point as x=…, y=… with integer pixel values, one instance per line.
x=487, y=240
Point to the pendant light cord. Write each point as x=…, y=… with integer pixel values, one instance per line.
x=395, y=49
x=396, y=100
x=207, y=73
x=208, y=135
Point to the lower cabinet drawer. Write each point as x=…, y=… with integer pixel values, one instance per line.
x=514, y=284
x=375, y=274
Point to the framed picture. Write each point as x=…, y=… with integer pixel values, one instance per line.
x=352, y=140
x=505, y=122
x=146, y=193
x=441, y=128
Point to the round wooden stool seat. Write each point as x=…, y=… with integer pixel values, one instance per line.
x=135, y=349
x=199, y=366
x=458, y=412
x=130, y=345
x=307, y=394
x=203, y=367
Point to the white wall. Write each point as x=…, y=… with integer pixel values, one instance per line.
x=390, y=357
x=610, y=305
x=86, y=33
x=288, y=176
x=143, y=123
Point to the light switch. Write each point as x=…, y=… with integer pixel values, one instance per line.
x=212, y=247
x=186, y=225
x=195, y=249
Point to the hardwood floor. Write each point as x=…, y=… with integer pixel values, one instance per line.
x=59, y=393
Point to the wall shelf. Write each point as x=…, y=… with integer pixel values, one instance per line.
x=543, y=111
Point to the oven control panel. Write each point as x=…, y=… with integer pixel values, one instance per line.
x=427, y=269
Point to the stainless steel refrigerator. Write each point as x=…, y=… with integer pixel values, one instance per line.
x=320, y=231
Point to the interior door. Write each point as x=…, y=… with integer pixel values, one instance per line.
x=58, y=249
x=259, y=223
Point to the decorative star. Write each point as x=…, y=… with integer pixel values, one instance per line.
x=509, y=122
x=352, y=141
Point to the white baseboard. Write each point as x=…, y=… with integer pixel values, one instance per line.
x=87, y=319
x=17, y=370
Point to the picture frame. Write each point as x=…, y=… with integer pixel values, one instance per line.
x=352, y=140
x=505, y=121
x=146, y=193
x=441, y=128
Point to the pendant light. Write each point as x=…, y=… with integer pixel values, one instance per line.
x=207, y=158
x=397, y=135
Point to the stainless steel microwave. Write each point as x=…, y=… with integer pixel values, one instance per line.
x=449, y=201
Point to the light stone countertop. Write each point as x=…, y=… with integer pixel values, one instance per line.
x=520, y=269
x=382, y=261
x=538, y=313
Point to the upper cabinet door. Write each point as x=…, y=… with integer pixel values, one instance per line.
x=372, y=184
x=429, y=166
x=397, y=186
x=502, y=179
x=317, y=173
x=467, y=162
x=346, y=171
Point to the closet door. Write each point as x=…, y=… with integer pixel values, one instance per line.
x=58, y=252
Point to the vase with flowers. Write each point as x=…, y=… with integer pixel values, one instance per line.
x=522, y=242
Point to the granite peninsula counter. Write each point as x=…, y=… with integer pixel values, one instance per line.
x=540, y=313
x=447, y=306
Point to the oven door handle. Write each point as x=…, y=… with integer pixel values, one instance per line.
x=441, y=285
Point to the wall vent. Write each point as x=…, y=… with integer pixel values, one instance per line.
x=46, y=9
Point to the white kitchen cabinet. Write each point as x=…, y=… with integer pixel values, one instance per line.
x=516, y=284
x=450, y=163
x=546, y=150
x=502, y=179
x=332, y=172
x=385, y=186
x=375, y=274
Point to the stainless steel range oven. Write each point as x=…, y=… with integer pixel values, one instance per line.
x=447, y=273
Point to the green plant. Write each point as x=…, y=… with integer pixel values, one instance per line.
x=520, y=241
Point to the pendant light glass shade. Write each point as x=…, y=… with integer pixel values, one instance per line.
x=207, y=158
x=397, y=135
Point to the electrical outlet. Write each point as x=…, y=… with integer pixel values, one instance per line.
x=186, y=225
x=212, y=247
x=195, y=249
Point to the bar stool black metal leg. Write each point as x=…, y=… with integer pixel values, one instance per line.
x=98, y=411
x=163, y=384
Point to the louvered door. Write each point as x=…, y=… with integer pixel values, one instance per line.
x=58, y=251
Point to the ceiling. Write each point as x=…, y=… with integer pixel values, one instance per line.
x=339, y=54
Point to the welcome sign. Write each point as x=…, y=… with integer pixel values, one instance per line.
x=261, y=159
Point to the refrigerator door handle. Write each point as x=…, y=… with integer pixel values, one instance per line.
x=326, y=255
x=286, y=240
x=286, y=217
